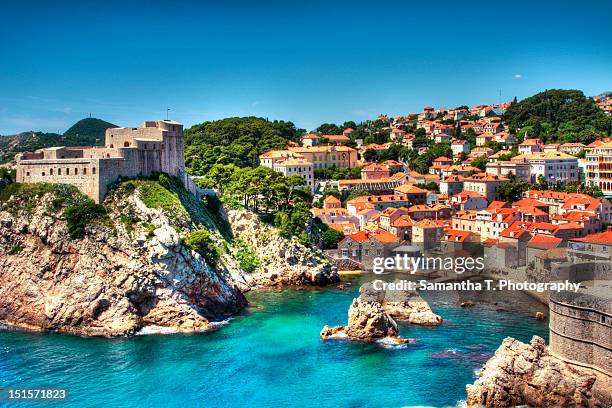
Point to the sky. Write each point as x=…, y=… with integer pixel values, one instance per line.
x=309, y=62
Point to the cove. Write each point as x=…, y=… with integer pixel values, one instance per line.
x=272, y=356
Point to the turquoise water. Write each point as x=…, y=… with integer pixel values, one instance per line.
x=270, y=356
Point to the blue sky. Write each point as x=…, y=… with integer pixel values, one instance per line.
x=305, y=61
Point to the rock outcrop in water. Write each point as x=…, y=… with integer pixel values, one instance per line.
x=403, y=305
x=367, y=321
x=283, y=261
x=130, y=270
x=526, y=374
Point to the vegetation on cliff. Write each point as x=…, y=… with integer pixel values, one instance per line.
x=237, y=141
x=559, y=115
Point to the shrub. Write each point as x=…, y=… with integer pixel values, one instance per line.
x=247, y=258
x=80, y=215
x=200, y=242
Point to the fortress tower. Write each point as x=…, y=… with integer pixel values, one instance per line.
x=155, y=146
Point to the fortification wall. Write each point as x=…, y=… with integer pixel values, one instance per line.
x=82, y=173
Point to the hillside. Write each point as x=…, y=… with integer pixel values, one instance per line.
x=559, y=115
x=86, y=132
x=234, y=141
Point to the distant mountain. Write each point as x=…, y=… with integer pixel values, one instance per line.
x=86, y=132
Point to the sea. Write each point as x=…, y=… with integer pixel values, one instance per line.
x=271, y=356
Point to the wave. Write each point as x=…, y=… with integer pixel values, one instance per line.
x=156, y=330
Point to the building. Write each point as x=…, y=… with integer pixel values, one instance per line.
x=484, y=184
x=311, y=139
x=553, y=166
x=530, y=146
x=460, y=146
x=599, y=167
x=375, y=171
x=296, y=167
x=155, y=146
x=469, y=200
x=520, y=170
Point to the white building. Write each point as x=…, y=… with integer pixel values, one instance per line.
x=554, y=167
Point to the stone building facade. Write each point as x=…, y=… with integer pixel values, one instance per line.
x=156, y=146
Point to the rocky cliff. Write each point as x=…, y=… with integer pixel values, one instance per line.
x=282, y=261
x=526, y=374
x=129, y=270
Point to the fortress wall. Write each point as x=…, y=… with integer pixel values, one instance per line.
x=82, y=173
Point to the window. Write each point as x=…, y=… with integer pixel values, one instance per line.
x=76, y=171
x=126, y=144
x=59, y=172
x=112, y=146
x=93, y=170
x=27, y=173
x=43, y=173
x=51, y=172
x=67, y=171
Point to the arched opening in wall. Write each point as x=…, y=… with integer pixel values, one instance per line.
x=51, y=172
x=43, y=173
x=76, y=171
x=93, y=170
x=85, y=172
x=67, y=171
x=108, y=155
x=126, y=144
x=112, y=146
x=59, y=172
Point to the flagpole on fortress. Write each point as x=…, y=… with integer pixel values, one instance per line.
x=167, y=112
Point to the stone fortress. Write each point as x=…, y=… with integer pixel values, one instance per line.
x=155, y=146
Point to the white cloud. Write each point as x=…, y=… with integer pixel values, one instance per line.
x=518, y=76
x=255, y=103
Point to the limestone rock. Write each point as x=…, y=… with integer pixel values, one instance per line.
x=283, y=261
x=110, y=283
x=526, y=374
x=403, y=305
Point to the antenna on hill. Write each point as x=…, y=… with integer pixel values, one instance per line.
x=500, y=96
x=167, y=113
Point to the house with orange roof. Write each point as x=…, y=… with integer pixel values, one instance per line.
x=521, y=171
x=311, y=139
x=529, y=146
x=427, y=234
x=388, y=215
x=460, y=146
x=331, y=202
x=374, y=171
x=415, y=194
x=397, y=134
x=481, y=151
x=483, y=139
x=452, y=184
x=348, y=132
x=401, y=227
x=539, y=243
x=378, y=202
x=594, y=247
x=589, y=222
x=455, y=240
x=363, y=247
x=483, y=183
x=469, y=200
x=504, y=137
x=337, y=139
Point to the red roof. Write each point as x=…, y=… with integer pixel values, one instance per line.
x=541, y=241
x=601, y=238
